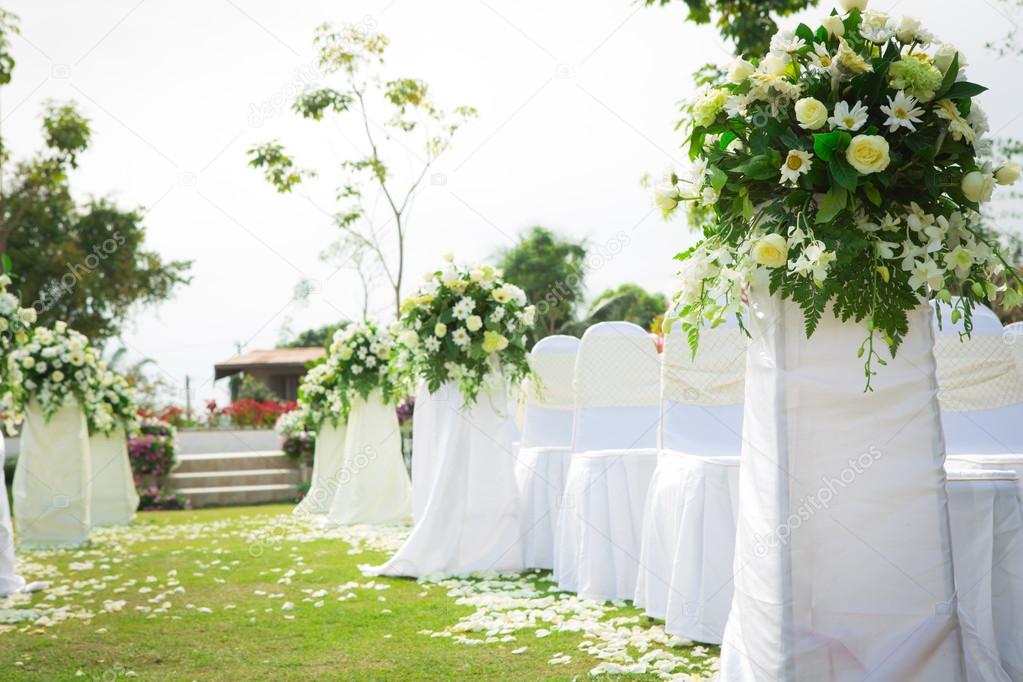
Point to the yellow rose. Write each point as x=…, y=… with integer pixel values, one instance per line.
x=473, y=323
x=868, y=154
x=492, y=342
x=771, y=250
x=811, y=113
x=1007, y=174
x=440, y=330
x=833, y=25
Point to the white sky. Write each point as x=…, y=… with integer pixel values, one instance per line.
x=577, y=100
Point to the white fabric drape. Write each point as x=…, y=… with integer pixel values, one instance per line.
x=373, y=485
x=471, y=520
x=843, y=566
x=52, y=480
x=10, y=581
x=1005, y=463
x=328, y=458
x=424, y=450
x=545, y=453
x=987, y=533
x=614, y=438
x=114, y=500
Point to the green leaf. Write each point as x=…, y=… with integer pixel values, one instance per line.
x=844, y=174
x=747, y=207
x=950, y=78
x=718, y=178
x=873, y=196
x=964, y=90
x=833, y=204
x=6, y=262
x=826, y=144
x=727, y=138
x=759, y=167
x=803, y=31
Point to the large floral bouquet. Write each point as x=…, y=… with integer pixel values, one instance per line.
x=362, y=356
x=465, y=325
x=54, y=366
x=319, y=399
x=115, y=405
x=842, y=169
x=15, y=325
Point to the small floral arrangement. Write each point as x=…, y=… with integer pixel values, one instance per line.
x=319, y=399
x=465, y=325
x=115, y=407
x=842, y=170
x=151, y=457
x=15, y=326
x=360, y=358
x=54, y=366
x=297, y=441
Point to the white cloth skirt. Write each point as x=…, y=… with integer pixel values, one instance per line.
x=373, y=485
x=600, y=526
x=10, y=581
x=52, y=481
x=685, y=575
x=328, y=458
x=843, y=566
x=541, y=476
x=424, y=448
x=471, y=521
x=114, y=500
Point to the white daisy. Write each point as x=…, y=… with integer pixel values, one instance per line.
x=786, y=41
x=432, y=344
x=798, y=163
x=460, y=337
x=849, y=119
x=902, y=112
x=463, y=308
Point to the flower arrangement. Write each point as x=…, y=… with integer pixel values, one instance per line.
x=152, y=458
x=54, y=366
x=318, y=398
x=361, y=359
x=15, y=326
x=842, y=170
x=297, y=441
x=115, y=405
x=464, y=325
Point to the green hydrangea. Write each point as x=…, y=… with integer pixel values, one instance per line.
x=917, y=78
x=708, y=106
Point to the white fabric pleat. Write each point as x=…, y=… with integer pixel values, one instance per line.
x=10, y=581
x=373, y=485
x=1004, y=463
x=541, y=474
x=471, y=521
x=862, y=586
x=328, y=458
x=424, y=449
x=114, y=500
x=52, y=480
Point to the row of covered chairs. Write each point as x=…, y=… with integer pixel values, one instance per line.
x=629, y=470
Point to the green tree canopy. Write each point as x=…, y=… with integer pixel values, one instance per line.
x=629, y=302
x=551, y=270
x=319, y=336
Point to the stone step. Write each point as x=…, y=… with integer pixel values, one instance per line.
x=234, y=461
x=235, y=478
x=239, y=495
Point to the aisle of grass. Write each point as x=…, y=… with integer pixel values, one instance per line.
x=240, y=594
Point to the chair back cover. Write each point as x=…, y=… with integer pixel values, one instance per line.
x=549, y=401
x=701, y=397
x=10, y=581
x=616, y=385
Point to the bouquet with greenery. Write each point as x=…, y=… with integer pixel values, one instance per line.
x=15, y=326
x=115, y=406
x=842, y=170
x=465, y=325
x=362, y=356
x=54, y=366
x=319, y=399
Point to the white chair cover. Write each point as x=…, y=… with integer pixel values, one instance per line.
x=1004, y=463
x=424, y=449
x=688, y=543
x=614, y=437
x=10, y=581
x=328, y=458
x=114, y=500
x=843, y=563
x=987, y=535
x=373, y=485
x=52, y=480
x=471, y=520
x=546, y=448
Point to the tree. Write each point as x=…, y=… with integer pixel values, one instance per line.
x=85, y=265
x=411, y=121
x=320, y=336
x=748, y=24
x=629, y=302
x=551, y=270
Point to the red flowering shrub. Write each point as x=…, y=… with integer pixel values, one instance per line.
x=256, y=414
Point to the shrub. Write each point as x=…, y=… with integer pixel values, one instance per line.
x=256, y=414
x=154, y=498
x=151, y=456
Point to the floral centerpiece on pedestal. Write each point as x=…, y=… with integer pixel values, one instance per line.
x=842, y=170
x=15, y=326
x=465, y=324
x=115, y=407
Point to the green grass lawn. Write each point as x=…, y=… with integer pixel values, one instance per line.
x=245, y=593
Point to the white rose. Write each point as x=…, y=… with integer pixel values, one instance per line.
x=771, y=250
x=740, y=70
x=833, y=25
x=978, y=186
x=440, y=330
x=666, y=196
x=345, y=354
x=473, y=323
x=906, y=29
x=868, y=154
x=811, y=113
x=850, y=5
x=943, y=57
x=1008, y=174
x=409, y=338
